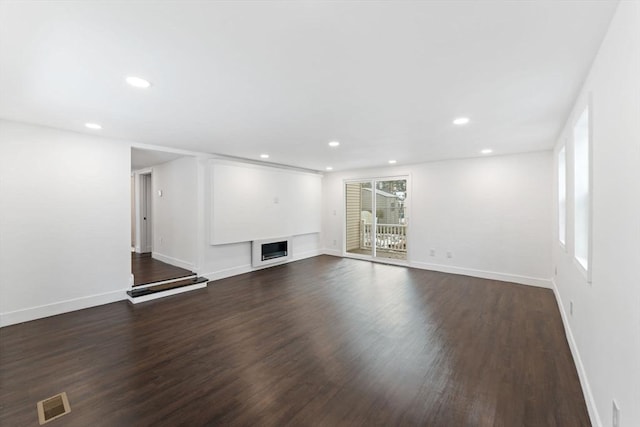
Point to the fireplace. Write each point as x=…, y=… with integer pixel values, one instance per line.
x=272, y=251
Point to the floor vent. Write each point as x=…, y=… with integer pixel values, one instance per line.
x=53, y=407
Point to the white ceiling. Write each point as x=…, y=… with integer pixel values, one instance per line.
x=142, y=159
x=242, y=78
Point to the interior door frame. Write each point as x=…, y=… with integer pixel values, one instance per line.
x=143, y=197
x=408, y=204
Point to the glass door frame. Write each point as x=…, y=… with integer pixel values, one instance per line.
x=373, y=181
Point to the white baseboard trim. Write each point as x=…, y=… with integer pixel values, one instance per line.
x=228, y=272
x=242, y=269
x=168, y=292
x=492, y=275
x=33, y=313
x=332, y=252
x=173, y=261
x=582, y=373
x=306, y=254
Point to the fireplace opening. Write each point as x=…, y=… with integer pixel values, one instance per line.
x=271, y=251
x=274, y=250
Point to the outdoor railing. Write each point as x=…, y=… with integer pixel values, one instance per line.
x=388, y=236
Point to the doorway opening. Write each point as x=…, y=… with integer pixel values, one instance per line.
x=145, y=267
x=143, y=214
x=376, y=219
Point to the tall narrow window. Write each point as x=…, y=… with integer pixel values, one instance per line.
x=581, y=189
x=562, y=195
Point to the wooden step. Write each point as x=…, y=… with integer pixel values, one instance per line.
x=163, y=289
x=167, y=281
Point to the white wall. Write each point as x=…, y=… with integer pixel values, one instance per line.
x=256, y=202
x=64, y=221
x=174, y=216
x=604, y=330
x=219, y=261
x=492, y=213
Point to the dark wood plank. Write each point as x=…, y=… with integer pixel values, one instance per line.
x=146, y=270
x=323, y=341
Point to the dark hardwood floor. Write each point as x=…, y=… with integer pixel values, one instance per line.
x=323, y=341
x=145, y=270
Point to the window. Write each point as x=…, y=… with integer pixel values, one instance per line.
x=581, y=189
x=562, y=195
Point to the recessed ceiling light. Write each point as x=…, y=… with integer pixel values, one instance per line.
x=138, y=82
x=264, y=156
x=329, y=168
x=392, y=162
x=461, y=121
x=334, y=144
x=93, y=126
x=487, y=151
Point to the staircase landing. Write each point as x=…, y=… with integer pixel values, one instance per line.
x=156, y=279
x=146, y=269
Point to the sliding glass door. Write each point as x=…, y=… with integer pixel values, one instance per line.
x=391, y=221
x=359, y=208
x=376, y=218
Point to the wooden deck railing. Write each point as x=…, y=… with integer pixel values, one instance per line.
x=388, y=236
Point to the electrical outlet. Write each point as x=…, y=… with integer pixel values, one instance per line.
x=335, y=243
x=334, y=212
x=449, y=254
x=615, y=418
x=571, y=308
x=556, y=271
x=432, y=252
